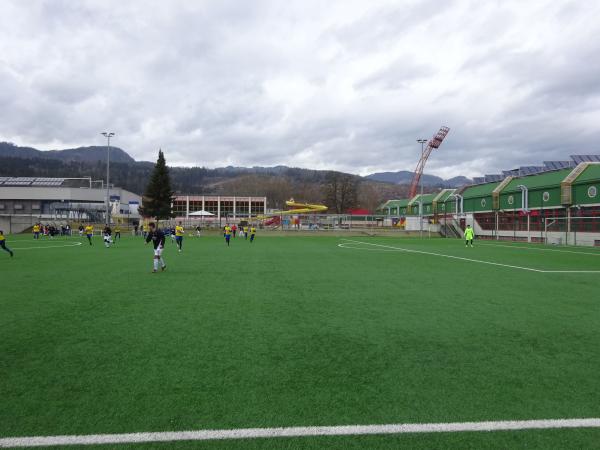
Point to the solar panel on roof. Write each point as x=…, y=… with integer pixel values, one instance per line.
x=555, y=165
x=585, y=158
x=530, y=170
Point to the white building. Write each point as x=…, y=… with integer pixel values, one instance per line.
x=26, y=200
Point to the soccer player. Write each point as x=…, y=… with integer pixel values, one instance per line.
x=179, y=231
x=89, y=232
x=252, y=233
x=227, y=234
x=246, y=232
x=80, y=230
x=36, y=231
x=158, y=241
x=117, y=232
x=3, y=244
x=469, y=234
x=234, y=229
x=198, y=230
x=107, y=236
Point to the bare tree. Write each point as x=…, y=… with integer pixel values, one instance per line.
x=341, y=191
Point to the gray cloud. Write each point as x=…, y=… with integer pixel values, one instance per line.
x=343, y=85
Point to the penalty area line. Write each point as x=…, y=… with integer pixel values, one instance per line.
x=254, y=433
x=461, y=258
x=556, y=250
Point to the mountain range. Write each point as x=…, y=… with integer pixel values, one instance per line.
x=277, y=183
x=84, y=154
x=405, y=177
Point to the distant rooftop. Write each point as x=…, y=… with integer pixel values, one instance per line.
x=45, y=182
x=548, y=166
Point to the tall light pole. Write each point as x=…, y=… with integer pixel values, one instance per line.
x=422, y=142
x=107, y=135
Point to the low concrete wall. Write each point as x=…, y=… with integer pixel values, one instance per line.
x=16, y=224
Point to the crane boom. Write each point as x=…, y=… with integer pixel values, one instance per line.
x=433, y=143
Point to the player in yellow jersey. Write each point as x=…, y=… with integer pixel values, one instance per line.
x=117, y=233
x=89, y=232
x=179, y=232
x=227, y=234
x=3, y=244
x=36, y=231
x=252, y=233
x=246, y=232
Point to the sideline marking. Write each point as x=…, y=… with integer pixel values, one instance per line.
x=400, y=249
x=253, y=433
x=539, y=249
x=75, y=244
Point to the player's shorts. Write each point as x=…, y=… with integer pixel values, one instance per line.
x=106, y=238
x=227, y=237
x=158, y=251
x=178, y=238
x=89, y=235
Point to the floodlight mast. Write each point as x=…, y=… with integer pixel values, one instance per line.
x=107, y=135
x=433, y=143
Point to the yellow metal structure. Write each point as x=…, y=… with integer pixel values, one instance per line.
x=297, y=208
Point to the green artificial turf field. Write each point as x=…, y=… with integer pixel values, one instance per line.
x=300, y=331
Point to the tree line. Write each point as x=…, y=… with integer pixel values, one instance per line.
x=339, y=191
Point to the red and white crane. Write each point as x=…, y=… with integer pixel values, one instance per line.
x=432, y=144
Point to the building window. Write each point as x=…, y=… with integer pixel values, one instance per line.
x=195, y=205
x=226, y=208
x=1, y=205
x=592, y=191
x=35, y=206
x=179, y=207
x=257, y=208
x=546, y=196
x=17, y=206
x=211, y=206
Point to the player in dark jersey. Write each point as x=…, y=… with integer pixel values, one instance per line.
x=158, y=241
x=107, y=234
x=3, y=244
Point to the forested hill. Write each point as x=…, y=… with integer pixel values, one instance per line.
x=85, y=154
x=278, y=183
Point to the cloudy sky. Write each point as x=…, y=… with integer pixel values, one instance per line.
x=347, y=85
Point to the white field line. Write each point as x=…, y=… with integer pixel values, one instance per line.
x=422, y=252
x=539, y=249
x=75, y=244
x=253, y=433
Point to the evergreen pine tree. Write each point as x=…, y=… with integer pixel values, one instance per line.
x=158, y=196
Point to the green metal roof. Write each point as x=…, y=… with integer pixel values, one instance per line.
x=444, y=197
x=427, y=198
x=393, y=204
x=400, y=203
x=591, y=173
x=480, y=190
x=542, y=180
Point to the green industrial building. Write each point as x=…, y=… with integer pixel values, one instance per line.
x=552, y=204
